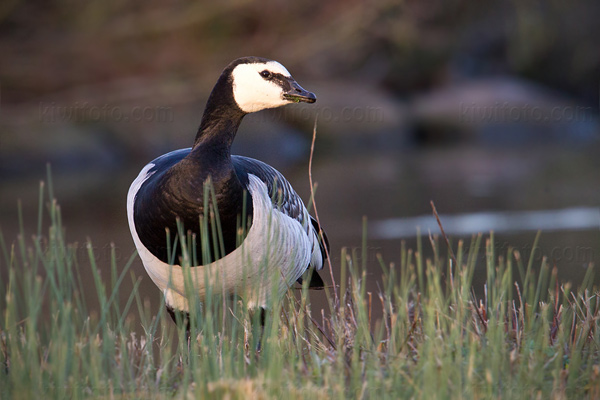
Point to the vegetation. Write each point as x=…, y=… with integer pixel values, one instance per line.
x=525, y=336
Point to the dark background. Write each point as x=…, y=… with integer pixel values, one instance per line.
x=478, y=106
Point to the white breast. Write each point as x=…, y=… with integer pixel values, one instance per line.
x=271, y=258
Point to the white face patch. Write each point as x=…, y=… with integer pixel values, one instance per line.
x=252, y=92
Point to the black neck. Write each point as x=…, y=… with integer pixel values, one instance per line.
x=222, y=117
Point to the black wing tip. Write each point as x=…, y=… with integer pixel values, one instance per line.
x=315, y=283
x=322, y=236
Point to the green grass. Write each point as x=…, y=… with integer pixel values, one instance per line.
x=527, y=336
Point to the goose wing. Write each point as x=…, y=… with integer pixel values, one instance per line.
x=283, y=196
x=285, y=199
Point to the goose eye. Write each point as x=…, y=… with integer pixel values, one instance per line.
x=266, y=74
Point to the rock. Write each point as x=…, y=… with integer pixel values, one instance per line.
x=502, y=110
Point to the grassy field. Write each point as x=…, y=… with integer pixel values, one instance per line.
x=525, y=336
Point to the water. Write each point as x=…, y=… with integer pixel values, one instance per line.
x=511, y=190
x=568, y=219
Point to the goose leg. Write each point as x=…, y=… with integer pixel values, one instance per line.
x=181, y=317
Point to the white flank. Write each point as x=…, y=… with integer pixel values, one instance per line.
x=272, y=257
x=254, y=93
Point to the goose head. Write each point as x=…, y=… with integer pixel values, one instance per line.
x=259, y=83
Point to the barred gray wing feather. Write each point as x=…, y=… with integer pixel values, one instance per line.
x=281, y=192
x=287, y=201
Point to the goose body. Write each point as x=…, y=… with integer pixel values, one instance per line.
x=281, y=240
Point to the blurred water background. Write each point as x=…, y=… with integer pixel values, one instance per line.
x=489, y=110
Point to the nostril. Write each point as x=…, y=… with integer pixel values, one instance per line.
x=298, y=90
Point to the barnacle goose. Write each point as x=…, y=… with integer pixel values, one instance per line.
x=282, y=241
